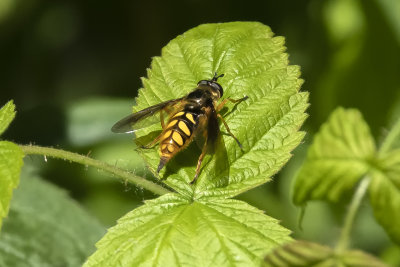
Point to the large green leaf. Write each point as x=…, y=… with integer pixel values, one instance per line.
x=307, y=254
x=46, y=228
x=254, y=64
x=173, y=231
x=339, y=156
x=10, y=167
x=7, y=114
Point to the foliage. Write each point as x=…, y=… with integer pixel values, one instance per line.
x=172, y=230
x=338, y=158
x=342, y=153
x=46, y=227
x=255, y=65
x=349, y=54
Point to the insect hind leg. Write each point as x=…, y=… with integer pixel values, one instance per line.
x=152, y=143
x=203, y=153
x=229, y=131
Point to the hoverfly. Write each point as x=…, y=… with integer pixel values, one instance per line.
x=194, y=115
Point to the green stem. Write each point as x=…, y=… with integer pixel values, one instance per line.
x=392, y=136
x=74, y=157
x=343, y=242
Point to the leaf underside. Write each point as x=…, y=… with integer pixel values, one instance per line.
x=337, y=159
x=342, y=153
x=384, y=193
x=267, y=123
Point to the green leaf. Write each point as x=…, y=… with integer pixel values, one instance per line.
x=307, y=254
x=339, y=156
x=46, y=228
x=171, y=230
x=10, y=167
x=385, y=193
x=7, y=114
x=255, y=64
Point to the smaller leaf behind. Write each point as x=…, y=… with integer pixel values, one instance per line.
x=339, y=156
x=10, y=168
x=172, y=231
x=384, y=193
x=45, y=227
x=7, y=114
x=307, y=254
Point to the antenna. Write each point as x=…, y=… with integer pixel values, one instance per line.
x=215, y=78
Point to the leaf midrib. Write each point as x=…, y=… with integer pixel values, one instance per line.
x=167, y=232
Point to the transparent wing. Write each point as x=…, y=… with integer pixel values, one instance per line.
x=143, y=118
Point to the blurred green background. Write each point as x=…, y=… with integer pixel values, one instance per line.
x=73, y=68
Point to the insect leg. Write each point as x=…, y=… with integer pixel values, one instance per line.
x=222, y=104
x=150, y=145
x=203, y=153
x=229, y=130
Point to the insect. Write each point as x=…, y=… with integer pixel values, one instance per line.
x=192, y=116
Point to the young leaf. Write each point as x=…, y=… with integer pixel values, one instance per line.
x=172, y=230
x=385, y=193
x=10, y=167
x=267, y=123
x=306, y=254
x=339, y=156
x=46, y=228
x=7, y=114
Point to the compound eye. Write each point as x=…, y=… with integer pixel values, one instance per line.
x=218, y=87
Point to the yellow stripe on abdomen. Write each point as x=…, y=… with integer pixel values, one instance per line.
x=183, y=127
x=176, y=136
x=189, y=116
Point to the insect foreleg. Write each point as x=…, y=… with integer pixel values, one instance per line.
x=222, y=104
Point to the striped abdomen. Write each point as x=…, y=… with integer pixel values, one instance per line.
x=176, y=135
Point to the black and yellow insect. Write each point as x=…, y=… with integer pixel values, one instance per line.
x=192, y=116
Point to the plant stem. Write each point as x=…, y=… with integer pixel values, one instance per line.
x=343, y=242
x=87, y=161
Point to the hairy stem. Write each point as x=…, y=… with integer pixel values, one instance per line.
x=87, y=161
x=344, y=238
